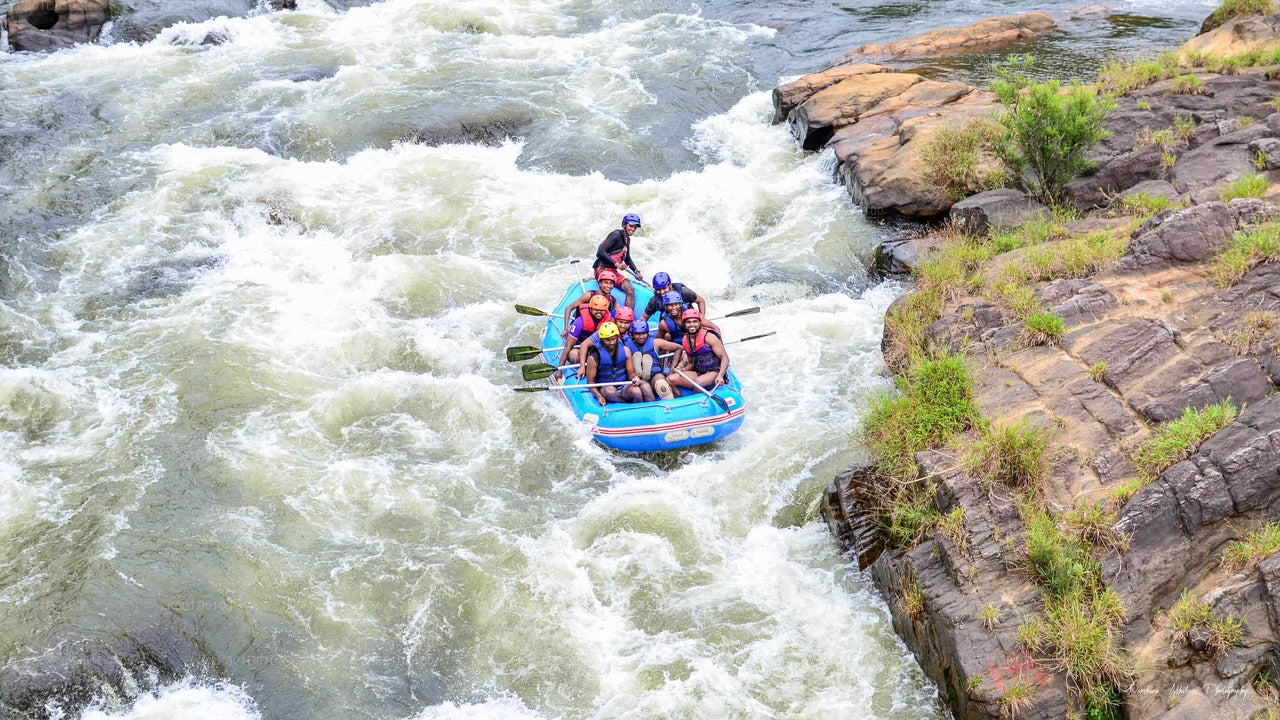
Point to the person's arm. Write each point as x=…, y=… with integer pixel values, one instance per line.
x=626, y=258
x=718, y=348
x=697, y=299
x=570, y=339
x=651, y=308
x=592, y=368
x=631, y=371
x=582, y=354
x=568, y=311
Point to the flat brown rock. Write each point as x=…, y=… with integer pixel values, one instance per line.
x=1236, y=36
x=788, y=96
x=44, y=25
x=982, y=35
x=813, y=122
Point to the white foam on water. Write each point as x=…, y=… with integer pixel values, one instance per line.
x=187, y=699
x=499, y=709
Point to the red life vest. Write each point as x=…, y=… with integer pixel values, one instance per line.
x=704, y=358
x=584, y=310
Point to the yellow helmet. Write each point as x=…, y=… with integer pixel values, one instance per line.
x=608, y=330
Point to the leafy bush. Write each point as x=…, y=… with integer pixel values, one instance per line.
x=1175, y=441
x=1245, y=186
x=1228, y=9
x=1245, y=251
x=1047, y=130
x=961, y=160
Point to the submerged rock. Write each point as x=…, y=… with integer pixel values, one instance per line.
x=45, y=25
x=982, y=35
x=996, y=209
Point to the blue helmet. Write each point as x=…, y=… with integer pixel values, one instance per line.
x=661, y=281
x=672, y=297
x=640, y=327
x=631, y=219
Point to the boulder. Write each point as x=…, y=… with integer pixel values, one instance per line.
x=814, y=121
x=1190, y=235
x=1236, y=36
x=901, y=258
x=980, y=36
x=1266, y=152
x=789, y=96
x=1252, y=211
x=48, y=25
x=996, y=209
x=1154, y=189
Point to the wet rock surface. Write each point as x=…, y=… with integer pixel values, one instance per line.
x=44, y=26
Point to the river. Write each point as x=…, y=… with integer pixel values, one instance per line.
x=259, y=454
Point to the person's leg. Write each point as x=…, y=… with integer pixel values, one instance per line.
x=706, y=380
x=631, y=293
x=661, y=387
x=632, y=394
x=610, y=394
x=646, y=392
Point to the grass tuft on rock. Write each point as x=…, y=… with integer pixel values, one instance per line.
x=1256, y=546
x=1043, y=328
x=933, y=403
x=1175, y=441
x=1014, y=455
x=1194, y=618
x=1249, y=185
x=1245, y=251
x=961, y=161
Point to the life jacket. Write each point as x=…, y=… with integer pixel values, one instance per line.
x=610, y=367
x=589, y=323
x=646, y=349
x=673, y=326
x=704, y=358
x=583, y=308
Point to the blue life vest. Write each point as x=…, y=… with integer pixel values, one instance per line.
x=673, y=327
x=610, y=368
x=648, y=349
x=704, y=358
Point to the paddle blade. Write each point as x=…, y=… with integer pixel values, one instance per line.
x=724, y=405
x=757, y=337
x=517, y=353
x=537, y=371
x=740, y=313
x=529, y=389
x=526, y=310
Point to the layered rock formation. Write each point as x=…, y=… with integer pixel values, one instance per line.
x=982, y=35
x=1148, y=337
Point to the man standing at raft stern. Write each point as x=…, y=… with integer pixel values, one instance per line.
x=615, y=254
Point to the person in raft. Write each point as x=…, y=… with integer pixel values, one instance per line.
x=702, y=352
x=646, y=360
x=611, y=362
x=586, y=323
x=606, y=279
x=622, y=318
x=661, y=286
x=615, y=254
x=670, y=326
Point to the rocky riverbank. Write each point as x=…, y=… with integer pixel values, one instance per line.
x=1099, y=534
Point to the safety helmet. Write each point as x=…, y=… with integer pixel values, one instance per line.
x=690, y=313
x=607, y=274
x=631, y=219
x=671, y=297
x=624, y=316
x=608, y=330
x=640, y=327
x=599, y=302
x=661, y=281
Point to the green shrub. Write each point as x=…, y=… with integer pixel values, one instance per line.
x=1228, y=9
x=1043, y=328
x=1047, y=130
x=1257, y=545
x=961, y=160
x=1245, y=251
x=1011, y=454
x=1175, y=441
x=1245, y=186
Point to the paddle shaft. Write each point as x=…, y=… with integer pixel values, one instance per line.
x=719, y=400
x=578, y=272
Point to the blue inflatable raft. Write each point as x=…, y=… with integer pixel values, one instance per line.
x=693, y=419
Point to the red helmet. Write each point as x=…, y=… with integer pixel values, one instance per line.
x=607, y=274
x=691, y=313
x=624, y=316
x=599, y=302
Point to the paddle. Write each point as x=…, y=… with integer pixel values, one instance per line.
x=583, y=386
x=578, y=272
x=637, y=278
x=739, y=313
x=526, y=310
x=719, y=400
x=518, y=353
x=537, y=371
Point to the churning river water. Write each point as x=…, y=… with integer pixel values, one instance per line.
x=259, y=454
